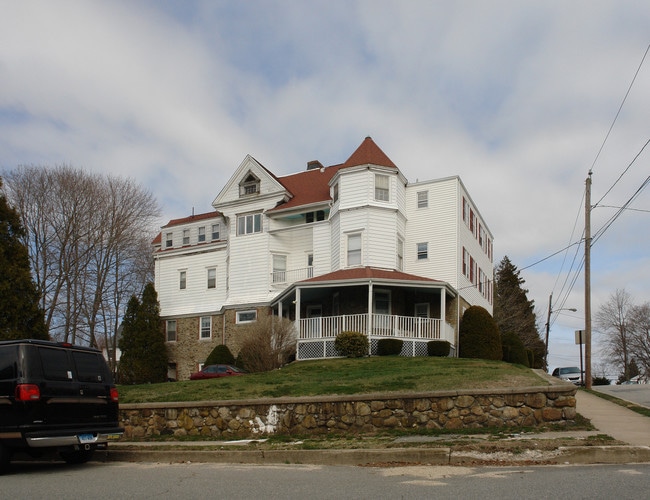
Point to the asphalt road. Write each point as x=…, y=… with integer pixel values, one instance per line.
x=636, y=393
x=196, y=481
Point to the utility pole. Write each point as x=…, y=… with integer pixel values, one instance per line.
x=548, y=327
x=588, y=282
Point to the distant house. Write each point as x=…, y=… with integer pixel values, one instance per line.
x=352, y=246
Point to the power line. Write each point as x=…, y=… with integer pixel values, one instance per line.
x=624, y=172
x=618, y=213
x=552, y=255
x=619, y=109
x=626, y=208
x=602, y=146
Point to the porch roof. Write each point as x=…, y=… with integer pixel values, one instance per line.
x=366, y=275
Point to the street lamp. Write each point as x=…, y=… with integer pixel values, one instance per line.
x=548, y=325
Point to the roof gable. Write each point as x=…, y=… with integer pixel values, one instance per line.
x=250, y=168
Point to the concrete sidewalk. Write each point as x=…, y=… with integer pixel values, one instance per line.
x=614, y=420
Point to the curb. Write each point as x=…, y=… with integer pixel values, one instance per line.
x=605, y=454
x=387, y=457
x=436, y=456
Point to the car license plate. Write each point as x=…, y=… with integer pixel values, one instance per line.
x=86, y=438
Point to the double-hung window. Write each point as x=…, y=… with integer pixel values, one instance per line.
x=212, y=277
x=423, y=251
x=182, y=280
x=169, y=240
x=249, y=224
x=216, y=229
x=171, y=330
x=279, y=268
x=423, y=199
x=186, y=236
x=422, y=310
x=382, y=192
x=400, y=254
x=201, y=237
x=465, y=262
x=206, y=327
x=354, y=249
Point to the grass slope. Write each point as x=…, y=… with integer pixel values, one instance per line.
x=343, y=376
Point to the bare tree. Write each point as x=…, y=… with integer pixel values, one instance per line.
x=89, y=243
x=639, y=326
x=269, y=343
x=54, y=205
x=613, y=323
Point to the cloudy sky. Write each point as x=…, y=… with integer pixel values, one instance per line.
x=517, y=97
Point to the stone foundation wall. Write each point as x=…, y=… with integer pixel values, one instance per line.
x=529, y=407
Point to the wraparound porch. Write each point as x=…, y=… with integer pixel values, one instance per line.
x=377, y=303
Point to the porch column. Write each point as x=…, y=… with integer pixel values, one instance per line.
x=297, y=305
x=443, y=312
x=369, y=311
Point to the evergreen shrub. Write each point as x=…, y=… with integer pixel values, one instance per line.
x=514, y=350
x=440, y=348
x=220, y=355
x=389, y=347
x=352, y=344
x=479, y=335
x=531, y=358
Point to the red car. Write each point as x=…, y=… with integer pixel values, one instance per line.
x=216, y=371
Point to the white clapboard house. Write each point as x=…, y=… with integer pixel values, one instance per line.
x=348, y=247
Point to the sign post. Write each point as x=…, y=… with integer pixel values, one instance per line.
x=580, y=339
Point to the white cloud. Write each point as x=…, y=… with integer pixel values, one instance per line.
x=514, y=96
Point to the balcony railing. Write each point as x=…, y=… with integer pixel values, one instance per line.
x=291, y=276
x=382, y=325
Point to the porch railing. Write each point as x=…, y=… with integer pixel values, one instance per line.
x=382, y=325
x=293, y=275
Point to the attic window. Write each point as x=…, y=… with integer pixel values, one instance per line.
x=249, y=185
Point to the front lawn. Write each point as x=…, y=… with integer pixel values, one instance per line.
x=342, y=376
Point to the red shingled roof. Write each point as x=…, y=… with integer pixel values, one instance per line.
x=369, y=152
x=193, y=218
x=362, y=273
x=311, y=186
x=308, y=187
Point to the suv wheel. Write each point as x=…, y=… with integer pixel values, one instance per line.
x=77, y=456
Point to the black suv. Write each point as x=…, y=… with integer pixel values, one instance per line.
x=55, y=396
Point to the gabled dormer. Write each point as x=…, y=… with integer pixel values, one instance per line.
x=250, y=182
x=249, y=185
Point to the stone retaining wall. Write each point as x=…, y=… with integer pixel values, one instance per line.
x=529, y=407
